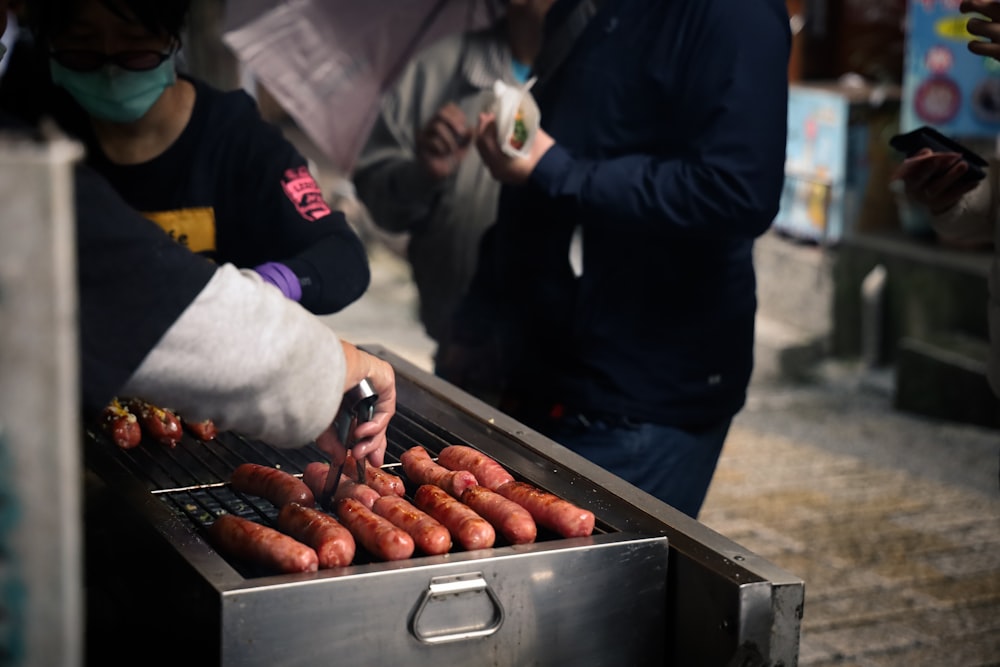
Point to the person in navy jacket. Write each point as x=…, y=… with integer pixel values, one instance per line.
x=616, y=290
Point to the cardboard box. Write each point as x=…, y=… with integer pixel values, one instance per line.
x=827, y=160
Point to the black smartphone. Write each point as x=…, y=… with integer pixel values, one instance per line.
x=910, y=143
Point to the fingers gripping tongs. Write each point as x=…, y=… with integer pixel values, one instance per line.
x=357, y=406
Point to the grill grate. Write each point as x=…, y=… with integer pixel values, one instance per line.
x=714, y=597
x=194, y=465
x=192, y=478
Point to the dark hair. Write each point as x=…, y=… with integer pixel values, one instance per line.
x=47, y=18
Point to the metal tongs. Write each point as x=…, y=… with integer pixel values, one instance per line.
x=357, y=406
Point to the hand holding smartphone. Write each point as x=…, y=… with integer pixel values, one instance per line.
x=911, y=143
x=938, y=171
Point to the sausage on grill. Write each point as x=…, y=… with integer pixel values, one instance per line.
x=512, y=521
x=315, y=478
x=160, y=424
x=384, y=482
x=121, y=425
x=333, y=543
x=550, y=510
x=379, y=536
x=277, y=486
x=468, y=528
x=421, y=468
x=252, y=542
x=428, y=534
x=488, y=472
x=203, y=430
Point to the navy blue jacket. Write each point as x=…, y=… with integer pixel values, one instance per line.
x=670, y=122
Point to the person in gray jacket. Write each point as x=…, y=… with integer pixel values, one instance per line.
x=417, y=175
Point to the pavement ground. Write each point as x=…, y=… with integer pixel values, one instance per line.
x=892, y=520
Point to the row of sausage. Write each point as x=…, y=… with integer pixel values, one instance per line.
x=463, y=499
x=124, y=420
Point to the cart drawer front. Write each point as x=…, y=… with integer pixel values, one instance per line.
x=590, y=601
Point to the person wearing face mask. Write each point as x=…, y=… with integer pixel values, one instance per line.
x=214, y=341
x=199, y=162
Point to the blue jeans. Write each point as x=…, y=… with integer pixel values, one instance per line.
x=672, y=464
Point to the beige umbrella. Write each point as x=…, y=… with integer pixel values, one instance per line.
x=327, y=62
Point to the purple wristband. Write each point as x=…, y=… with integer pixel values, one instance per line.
x=281, y=277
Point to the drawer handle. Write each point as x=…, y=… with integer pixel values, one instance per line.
x=461, y=593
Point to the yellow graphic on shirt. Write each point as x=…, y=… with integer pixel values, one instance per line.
x=193, y=228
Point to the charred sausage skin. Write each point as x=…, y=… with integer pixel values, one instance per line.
x=314, y=477
x=121, y=425
x=385, y=483
x=468, y=528
x=550, y=510
x=277, y=486
x=428, y=534
x=379, y=536
x=488, y=472
x=333, y=543
x=421, y=468
x=161, y=424
x=252, y=542
x=203, y=430
x=512, y=521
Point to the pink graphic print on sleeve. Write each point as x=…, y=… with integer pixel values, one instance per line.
x=305, y=194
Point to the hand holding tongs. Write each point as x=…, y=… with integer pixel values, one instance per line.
x=357, y=406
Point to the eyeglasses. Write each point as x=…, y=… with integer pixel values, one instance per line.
x=88, y=61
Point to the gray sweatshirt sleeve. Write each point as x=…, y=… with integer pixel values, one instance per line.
x=249, y=359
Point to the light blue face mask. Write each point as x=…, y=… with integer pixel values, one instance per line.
x=115, y=94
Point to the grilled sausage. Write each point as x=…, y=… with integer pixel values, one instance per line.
x=121, y=425
x=550, y=510
x=468, y=528
x=488, y=472
x=384, y=482
x=421, y=468
x=203, y=430
x=314, y=477
x=379, y=536
x=252, y=542
x=333, y=543
x=428, y=534
x=512, y=521
x=277, y=486
x=160, y=424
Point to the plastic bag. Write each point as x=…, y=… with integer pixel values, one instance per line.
x=517, y=117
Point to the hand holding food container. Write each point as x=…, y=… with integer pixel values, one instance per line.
x=517, y=117
x=510, y=139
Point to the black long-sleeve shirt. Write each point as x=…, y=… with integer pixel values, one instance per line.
x=234, y=189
